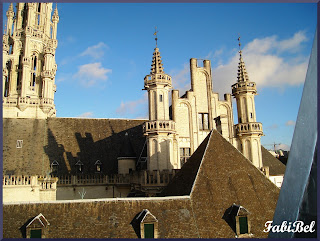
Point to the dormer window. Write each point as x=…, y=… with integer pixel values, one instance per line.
x=98, y=166
x=238, y=219
x=54, y=167
x=37, y=228
x=145, y=225
x=79, y=166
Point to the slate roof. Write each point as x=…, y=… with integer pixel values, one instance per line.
x=222, y=177
x=67, y=140
x=126, y=150
x=225, y=177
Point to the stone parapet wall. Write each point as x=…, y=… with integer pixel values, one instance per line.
x=29, y=188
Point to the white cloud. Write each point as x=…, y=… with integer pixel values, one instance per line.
x=214, y=55
x=283, y=147
x=290, y=123
x=265, y=65
x=95, y=51
x=180, y=78
x=90, y=74
x=86, y=115
x=272, y=127
x=131, y=107
x=293, y=44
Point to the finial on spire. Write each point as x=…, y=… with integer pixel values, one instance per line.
x=56, y=10
x=155, y=33
x=239, y=45
x=11, y=7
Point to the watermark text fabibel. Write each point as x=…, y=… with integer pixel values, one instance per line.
x=291, y=227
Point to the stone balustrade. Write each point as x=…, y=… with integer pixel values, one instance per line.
x=159, y=126
x=45, y=183
x=156, y=79
x=46, y=101
x=16, y=180
x=244, y=86
x=145, y=178
x=158, y=178
x=86, y=179
x=9, y=101
x=246, y=128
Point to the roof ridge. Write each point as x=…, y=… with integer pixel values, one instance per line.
x=204, y=154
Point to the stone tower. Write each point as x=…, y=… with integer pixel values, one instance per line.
x=29, y=67
x=248, y=131
x=159, y=129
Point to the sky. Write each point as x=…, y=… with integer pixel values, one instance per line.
x=105, y=51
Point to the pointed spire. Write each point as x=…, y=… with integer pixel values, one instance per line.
x=11, y=7
x=242, y=72
x=156, y=66
x=55, y=13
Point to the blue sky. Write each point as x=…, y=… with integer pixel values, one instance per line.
x=105, y=50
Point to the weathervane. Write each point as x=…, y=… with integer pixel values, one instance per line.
x=239, y=45
x=155, y=33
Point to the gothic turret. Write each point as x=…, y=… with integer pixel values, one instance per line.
x=29, y=68
x=159, y=128
x=248, y=131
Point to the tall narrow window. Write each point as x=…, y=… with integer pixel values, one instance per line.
x=203, y=121
x=39, y=11
x=34, y=71
x=6, y=87
x=184, y=155
x=243, y=222
x=24, y=15
x=148, y=230
x=19, y=71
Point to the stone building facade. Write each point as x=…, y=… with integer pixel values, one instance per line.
x=116, y=157
x=29, y=68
